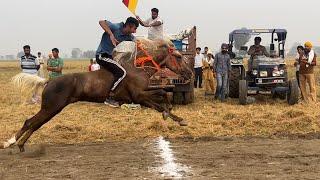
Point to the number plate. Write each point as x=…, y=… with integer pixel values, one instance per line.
x=278, y=81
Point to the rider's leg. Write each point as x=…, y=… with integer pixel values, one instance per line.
x=118, y=72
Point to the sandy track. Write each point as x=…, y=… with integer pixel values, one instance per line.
x=245, y=158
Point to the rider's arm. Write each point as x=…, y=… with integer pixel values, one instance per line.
x=104, y=25
x=108, y=27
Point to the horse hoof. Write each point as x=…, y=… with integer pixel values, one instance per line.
x=165, y=115
x=183, y=123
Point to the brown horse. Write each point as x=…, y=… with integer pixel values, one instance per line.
x=95, y=87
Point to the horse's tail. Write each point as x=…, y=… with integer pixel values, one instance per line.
x=28, y=83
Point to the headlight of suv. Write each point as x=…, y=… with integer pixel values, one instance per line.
x=276, y=73
x=255, y=72
x=281, y=72
x=263, y=74
x=235, y=61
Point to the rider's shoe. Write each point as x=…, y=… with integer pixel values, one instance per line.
x=111, y=103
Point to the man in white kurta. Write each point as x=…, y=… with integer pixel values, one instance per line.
x=155, y=25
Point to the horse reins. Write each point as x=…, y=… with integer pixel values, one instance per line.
x=142, y=60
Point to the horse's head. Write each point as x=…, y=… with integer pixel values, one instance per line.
x=167, y=55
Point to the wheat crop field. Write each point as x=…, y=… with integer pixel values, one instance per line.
x=84, y=122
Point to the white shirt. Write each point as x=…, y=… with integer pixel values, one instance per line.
x=41, y=60
x=154, y=32
x=310, y=56
x=95, y=67
x=198, y=60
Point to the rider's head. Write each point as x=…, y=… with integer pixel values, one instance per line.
x=257, y=40
x=154, y=13
x=131, y=25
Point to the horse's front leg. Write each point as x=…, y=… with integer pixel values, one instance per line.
x=154, y=98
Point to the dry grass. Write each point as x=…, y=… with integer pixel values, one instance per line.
x=90, y=122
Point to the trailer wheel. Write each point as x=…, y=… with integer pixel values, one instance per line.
x=178, y=98
x=293, y=93
x=188, y=98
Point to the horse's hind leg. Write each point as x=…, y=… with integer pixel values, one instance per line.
x=24, y=139
x=34, y=126
x=25, y=127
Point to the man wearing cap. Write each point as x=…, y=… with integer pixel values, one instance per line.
x=208, y=73
x=256, y=50
x=306, y=73
x=222, y=67
x=155, y=25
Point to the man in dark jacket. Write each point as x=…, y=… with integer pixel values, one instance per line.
x=222, y=67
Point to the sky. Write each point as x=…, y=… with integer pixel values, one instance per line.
x=68, y=24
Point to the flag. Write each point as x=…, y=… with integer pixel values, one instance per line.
x=131, y=5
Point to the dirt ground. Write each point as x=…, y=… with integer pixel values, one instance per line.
x=213, y=158
x=108, y=143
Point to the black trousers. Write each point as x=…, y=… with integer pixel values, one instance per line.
x=106, y=61
x=198, y=76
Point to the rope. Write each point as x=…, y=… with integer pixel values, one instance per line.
x=142, y=60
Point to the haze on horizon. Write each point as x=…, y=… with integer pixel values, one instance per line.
x=71, y=24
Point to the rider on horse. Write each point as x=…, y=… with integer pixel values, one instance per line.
x=113, y=35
